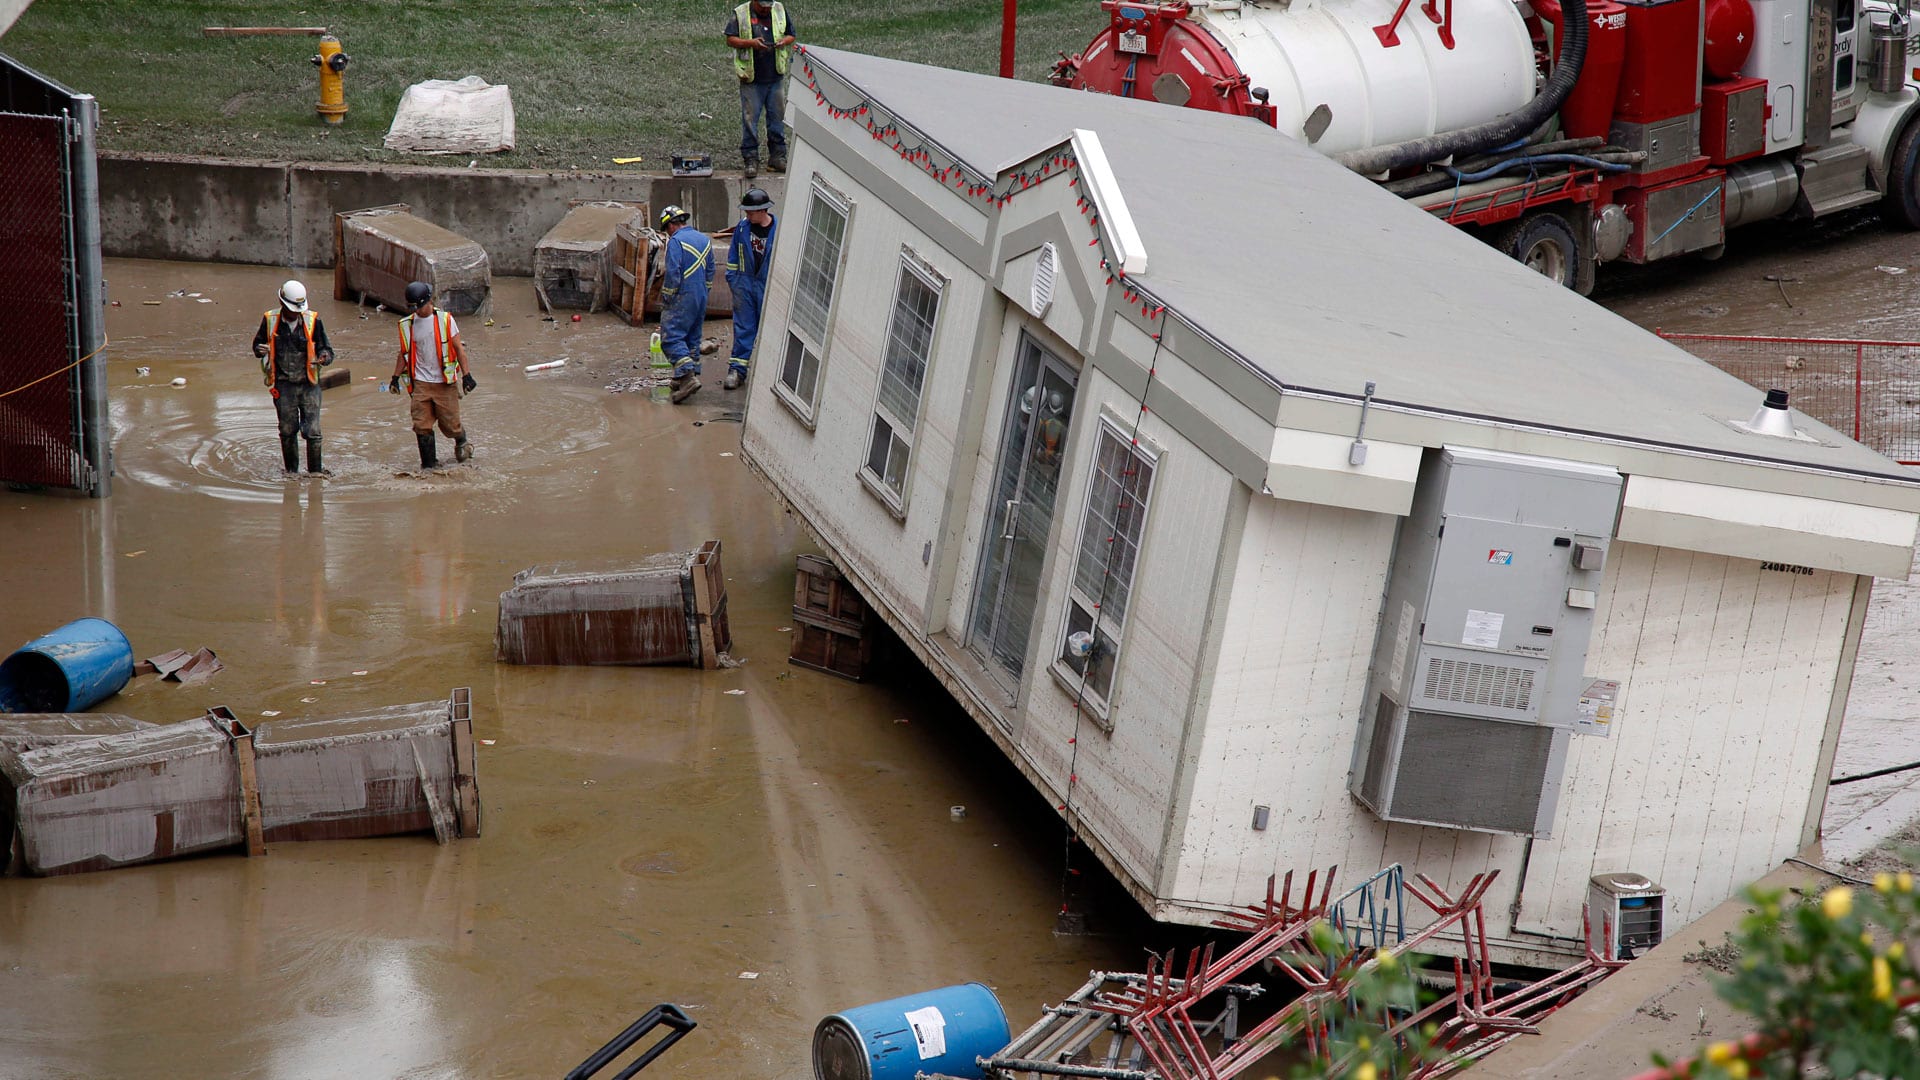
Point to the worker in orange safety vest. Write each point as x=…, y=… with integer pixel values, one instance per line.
x=432, y=369
x=291, y=345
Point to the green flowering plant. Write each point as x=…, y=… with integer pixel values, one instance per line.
x=1829, y=983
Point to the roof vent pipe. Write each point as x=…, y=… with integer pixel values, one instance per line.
x=1771, y=417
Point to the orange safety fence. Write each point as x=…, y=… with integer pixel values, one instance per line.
x=1869, y=390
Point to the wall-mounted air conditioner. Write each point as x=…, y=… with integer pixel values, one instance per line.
x=1477, y=677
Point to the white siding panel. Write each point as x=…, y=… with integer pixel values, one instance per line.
x=819, y=469
x=1727, y=671
x=1283, y=712
x=1127, y=778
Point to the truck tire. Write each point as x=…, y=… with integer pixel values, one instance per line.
x=1543, y=242
x=1901, y=206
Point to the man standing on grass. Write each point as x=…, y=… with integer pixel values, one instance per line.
x=432, y=369
x=762, y=40
x=292, y=347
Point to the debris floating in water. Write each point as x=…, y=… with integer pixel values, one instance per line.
x=179, y=382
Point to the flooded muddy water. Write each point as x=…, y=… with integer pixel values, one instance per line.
x=647, y=836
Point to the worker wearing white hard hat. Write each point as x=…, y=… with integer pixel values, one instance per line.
x=292, y=347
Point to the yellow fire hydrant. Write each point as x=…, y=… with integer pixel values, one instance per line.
x=333, y=92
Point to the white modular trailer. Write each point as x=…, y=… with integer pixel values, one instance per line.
x=1178, y=537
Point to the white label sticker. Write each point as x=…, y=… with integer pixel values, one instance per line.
x=1400, y=640
x=929, y=1031
x=1483, y=629
x=1594, y=714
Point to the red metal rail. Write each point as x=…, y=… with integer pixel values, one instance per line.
x=1864, y=387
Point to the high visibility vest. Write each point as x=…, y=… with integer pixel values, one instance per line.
x=442, y=348
x=273, y=337
x=743, y=58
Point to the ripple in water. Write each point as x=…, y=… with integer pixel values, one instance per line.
x=226, y=443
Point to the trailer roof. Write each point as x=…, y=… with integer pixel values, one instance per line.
x=1322, y=281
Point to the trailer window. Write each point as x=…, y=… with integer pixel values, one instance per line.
x=903, y=370
x=822, y=253
x=1111, y=530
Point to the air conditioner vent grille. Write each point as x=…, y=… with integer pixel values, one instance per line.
x=1467, y=682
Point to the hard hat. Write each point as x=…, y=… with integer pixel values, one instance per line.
x=1055, y=403
x=673, y=215
x=418, y=292
x=293, y=296
x=756, y=199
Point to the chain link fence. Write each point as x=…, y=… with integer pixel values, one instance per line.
x=38, y=416
x=1869, y=390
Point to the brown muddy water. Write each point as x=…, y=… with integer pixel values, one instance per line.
x=647, y=836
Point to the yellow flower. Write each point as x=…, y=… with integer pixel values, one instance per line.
x=1838, y=902
x=1363, y=1043
x=1882, y=979
x=1737, y=1068
x=1896, y=950
x=1883, y=882
x=1903, y=881
x=1386, y=959
x=1866, y=938
x=1366, y=1071
x=1720, y=1053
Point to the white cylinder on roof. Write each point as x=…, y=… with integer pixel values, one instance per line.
x=1326, y=52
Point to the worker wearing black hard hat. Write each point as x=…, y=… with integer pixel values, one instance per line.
x=432, y=369
x=748, y=255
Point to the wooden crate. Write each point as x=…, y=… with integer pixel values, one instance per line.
x=573, y=262
x=832, y=626
x=626, y=293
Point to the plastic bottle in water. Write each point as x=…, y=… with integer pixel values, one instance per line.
x=660, y=368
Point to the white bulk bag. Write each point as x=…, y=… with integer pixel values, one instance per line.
x=442, y=116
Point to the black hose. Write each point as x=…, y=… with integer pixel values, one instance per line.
x=1857, y=777
x=1372, y=160
x=1426, y=183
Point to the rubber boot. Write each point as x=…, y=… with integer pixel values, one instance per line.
x=290, y=454
x=313, y=459
x=461, y=451
x=736, y=374
x=778, y=163
x=684, y=386
x=429, y=454
x=752, y=168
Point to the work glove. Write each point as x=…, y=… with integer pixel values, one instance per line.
x=260, y=351
x=393, y=385
x=467, y=384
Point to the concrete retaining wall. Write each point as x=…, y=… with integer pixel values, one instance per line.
x=279, y=213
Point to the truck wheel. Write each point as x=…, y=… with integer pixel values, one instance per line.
x=1901, y=205
x=1545, y=243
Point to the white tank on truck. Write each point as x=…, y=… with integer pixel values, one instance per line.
x=1567, y=132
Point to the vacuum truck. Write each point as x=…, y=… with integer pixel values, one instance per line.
x=1567, y=133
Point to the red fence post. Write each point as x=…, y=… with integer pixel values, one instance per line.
x=1859, y=375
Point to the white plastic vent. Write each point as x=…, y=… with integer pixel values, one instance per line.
x=1464, y=682
x=1045, y=267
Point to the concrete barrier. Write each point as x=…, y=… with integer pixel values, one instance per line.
x=280, y=213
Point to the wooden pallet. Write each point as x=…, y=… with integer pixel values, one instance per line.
x=832, y=625
x=627, y=294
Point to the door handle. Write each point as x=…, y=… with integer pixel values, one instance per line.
x=1007, y=532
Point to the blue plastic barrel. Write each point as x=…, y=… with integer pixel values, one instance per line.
x=940, y=1031
x=71, y=669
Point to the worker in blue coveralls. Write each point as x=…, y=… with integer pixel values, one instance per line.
x=683, y=298
x=748, y=255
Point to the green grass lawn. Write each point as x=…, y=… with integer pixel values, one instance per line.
x=592, y=80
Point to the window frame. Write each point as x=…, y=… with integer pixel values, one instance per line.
x=1100, y=706
x=911, y=268
x=805, y=408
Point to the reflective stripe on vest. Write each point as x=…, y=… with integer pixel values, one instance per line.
x=743, y=58
x=442, y=348
x=268, y=362
x=700, y=254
